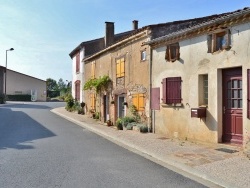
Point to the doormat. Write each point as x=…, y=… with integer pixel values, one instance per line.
x=227, y=150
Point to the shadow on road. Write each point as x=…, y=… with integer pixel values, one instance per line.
x=18, y=130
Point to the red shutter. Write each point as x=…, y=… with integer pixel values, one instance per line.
x=164, y=90
x=155, y=99
x=248, y=93
x=78, y=62
x=173, y=90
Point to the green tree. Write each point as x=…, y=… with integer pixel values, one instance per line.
x=61, y=85
x=52, y=88
x=51, y=84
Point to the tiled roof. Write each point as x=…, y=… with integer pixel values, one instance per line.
x=158, y=31
x=198, y=23
x=96, y=45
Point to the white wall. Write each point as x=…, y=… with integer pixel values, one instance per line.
x=20, y=83
x=78, y=76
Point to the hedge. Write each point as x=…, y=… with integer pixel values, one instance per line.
x=18, y=97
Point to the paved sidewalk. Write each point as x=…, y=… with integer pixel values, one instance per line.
x=221, y=165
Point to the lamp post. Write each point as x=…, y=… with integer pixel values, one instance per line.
x=11, y=49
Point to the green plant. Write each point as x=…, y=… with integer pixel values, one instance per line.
x=118, y=124
x=2, y=99
x=97, y=115
x=144, y=129
x=127, y=119
x=69, y=103
x=98, y=84
x=18, y=97
x=133, y=110
x=130, y=125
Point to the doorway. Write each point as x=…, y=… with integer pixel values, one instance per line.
x=232, y=105
x=120, y=106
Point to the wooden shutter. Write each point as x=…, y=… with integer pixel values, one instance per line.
x=118, y=69
x=155, y=99
x=177, y=51
x=209, y=44
x=248, y=93
x=164, y=90
x=77, y=90
x=135, y=101
x=78, y=62
x=92, y=101
x=173, y=90
x=141, y=106
x=167, y=54
x=122, y=67
x=227, y=39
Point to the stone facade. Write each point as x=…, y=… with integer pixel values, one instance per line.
x=175, y=120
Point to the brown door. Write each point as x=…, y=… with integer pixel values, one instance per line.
x=232, y=106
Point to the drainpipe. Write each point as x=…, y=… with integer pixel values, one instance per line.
x=150, y=126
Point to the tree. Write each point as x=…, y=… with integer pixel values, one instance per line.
x=61, y=85
x=52, y=88
x=51, y=84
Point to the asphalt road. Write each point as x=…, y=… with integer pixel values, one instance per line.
x=41, y=149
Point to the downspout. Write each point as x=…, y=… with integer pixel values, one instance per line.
x=150, y=122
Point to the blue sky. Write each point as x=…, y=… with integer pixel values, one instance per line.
x=44, y=32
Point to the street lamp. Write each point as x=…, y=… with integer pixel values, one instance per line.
x=11, y=49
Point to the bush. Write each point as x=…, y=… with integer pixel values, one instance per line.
x=118, y=124
x=130, y=125
x=70, y=103
x=144, y=129
x=2, y=99
x=127, y=119
x=18, y=97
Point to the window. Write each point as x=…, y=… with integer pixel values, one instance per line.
x=219, y=40
x=138, y=101
x=203, y=89
x=172, y=52
x=120, y=68
x=143, y=55
x=171, y=90
x=77, y=90
x=78, y=62
x=92, y=70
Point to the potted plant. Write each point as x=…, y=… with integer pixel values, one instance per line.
x=112, y=102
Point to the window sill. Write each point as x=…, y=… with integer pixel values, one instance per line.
x=172, y=105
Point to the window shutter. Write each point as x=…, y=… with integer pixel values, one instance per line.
x=178, y=52
x=141, y=102
x=227, y=39
x=122, y=65
x=173, y=90
x=248, y=93
x=78, y=62
x=118, y=69
x=135, y=101
x=167, y=54
x=209, y=43
x=164, y=90
x=92, y=99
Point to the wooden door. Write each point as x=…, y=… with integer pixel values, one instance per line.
x=232, y=106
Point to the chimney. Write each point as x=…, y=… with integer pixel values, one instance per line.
x=135, y=24
x=109, y=33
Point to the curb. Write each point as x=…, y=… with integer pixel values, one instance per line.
x=179, y=168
